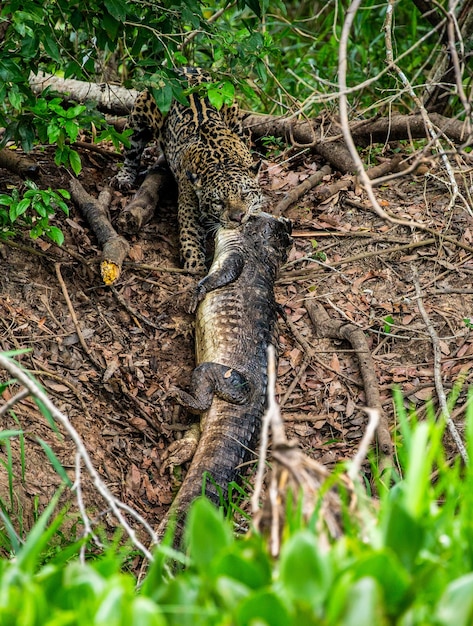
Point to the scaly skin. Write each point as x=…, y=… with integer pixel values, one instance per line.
x=236, y=321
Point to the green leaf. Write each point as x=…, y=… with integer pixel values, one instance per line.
x=417, y=479
x=254, y=5
x=40, y=209
x=304, y=571
x=216, y=97
x=246, y=565
x=403, y=534
x=39, y=536
x=364, y=605
x=228, y=92
x=53, y=132
x=18, y=209
x=386, y=569
x=55, y=234
x=456, y=604
x=163, y=97
x=51, y=48
x=27, y=136
x=72, y=130
x=264, y=607
x=74, y=160
x=110, y=25
x=117, y=8
x=230, y=592
x=111, y=606
x=206, y=533
x=5, y=200
x=15, y=98
x=75, y=111
x=388, y=322
x=144, y=612
x=7, y=434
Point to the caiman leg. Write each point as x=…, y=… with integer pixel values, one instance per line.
x=229, y=271
x=209, y=379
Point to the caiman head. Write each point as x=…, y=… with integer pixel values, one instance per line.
x=271, y=236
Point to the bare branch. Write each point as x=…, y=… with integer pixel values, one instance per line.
x=437, y=369
x=114, y=503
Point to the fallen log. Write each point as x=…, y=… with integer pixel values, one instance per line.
x=109, y=98
x=18, y=163
x=114, y=247
x=119, y=101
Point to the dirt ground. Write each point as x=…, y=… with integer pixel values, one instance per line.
x=140, y=335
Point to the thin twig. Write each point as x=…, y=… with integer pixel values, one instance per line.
x=368, y=436
x=423, y=111
x=437, y=368
x=113, y=502
x=88, y=532
x=24, y=393
x=57, y=267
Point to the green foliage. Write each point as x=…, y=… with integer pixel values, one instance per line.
x=408, y=563
x=388, y=323
x=33, y=210
x=291, y=62
x=317, y=254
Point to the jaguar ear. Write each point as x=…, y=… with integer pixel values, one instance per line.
x=256, y=166
x=195, y=179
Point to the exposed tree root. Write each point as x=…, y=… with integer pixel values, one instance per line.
x=337, y=329
x=114, y=247
x=18, y=164
x=297, y=192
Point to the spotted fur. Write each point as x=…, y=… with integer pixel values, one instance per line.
x=210, y=159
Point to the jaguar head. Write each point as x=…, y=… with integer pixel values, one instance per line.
x=228, y=198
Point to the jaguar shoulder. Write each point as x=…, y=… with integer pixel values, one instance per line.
x=208, y=155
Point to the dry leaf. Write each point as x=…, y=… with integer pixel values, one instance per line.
x=133, y=479
x=350, y=408
x=444, y=347
x=58, y=387
x=335, y=363
x=136, y=253
x=139, y=423
x=112, y=367
x=424, y=394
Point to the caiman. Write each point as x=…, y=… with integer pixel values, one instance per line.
x=236, y=321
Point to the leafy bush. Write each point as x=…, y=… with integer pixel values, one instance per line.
x=33, y=210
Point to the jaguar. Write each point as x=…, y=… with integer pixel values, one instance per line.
x=208, y=154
